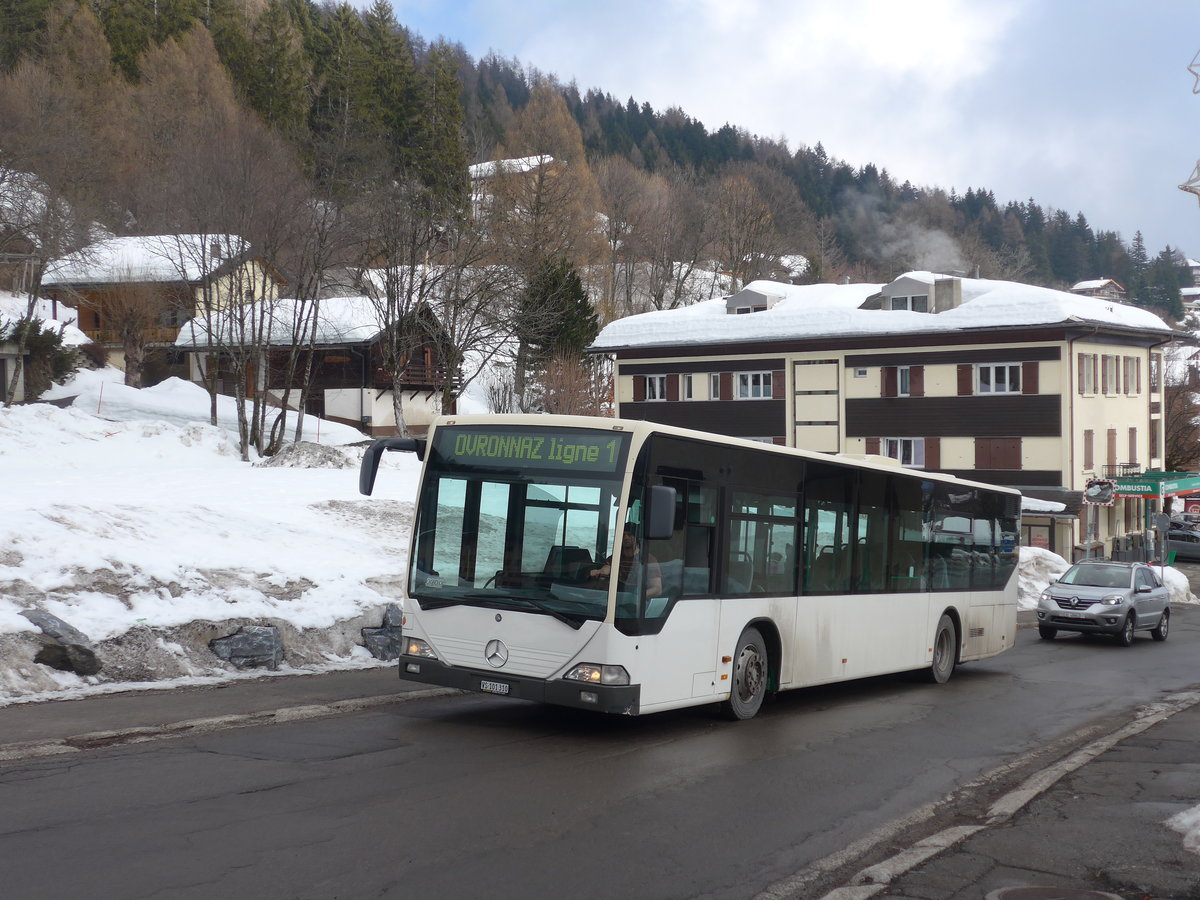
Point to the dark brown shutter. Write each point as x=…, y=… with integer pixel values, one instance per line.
x=1132, y=445
x=1089, y=449
x=672, y=387
x=1112, y=446
x=726, y=385
x=1080, y=374
x=916, y=381
x=983, y=453
x=639, y=388
x=1029, y=378
x=933, y=453
x=1010, y=454
x=888, y=381
x=873, y=445
x=777, y=385
x=966, y=380
x=779, y=442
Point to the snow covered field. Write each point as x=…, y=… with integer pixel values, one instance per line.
x=132, y=519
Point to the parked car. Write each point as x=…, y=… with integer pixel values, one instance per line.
x=1102, y=597
x=1185, y=543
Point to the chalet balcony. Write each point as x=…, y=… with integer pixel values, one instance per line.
x=416, y=377
x=153, y=336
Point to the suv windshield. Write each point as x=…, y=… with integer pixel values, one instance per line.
x=1097, y=575
x=518, y=518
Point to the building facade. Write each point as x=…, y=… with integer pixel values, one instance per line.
x=974, y=391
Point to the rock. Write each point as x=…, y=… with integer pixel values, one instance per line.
x=64, y=647
x=251, y=647
x=384, y=642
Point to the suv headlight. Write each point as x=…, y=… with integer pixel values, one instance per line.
x=1113, y=599
x=417, y=647
x=597, y=674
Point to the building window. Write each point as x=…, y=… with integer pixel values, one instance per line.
x=903, y=382
x=1087, y=373
x=1110, y=375
x=656, y=387
x=714, y=386
x=1133, y=375
x=915, y=303
x=860, y=373
x=998, y=379
x=754, y=385
x=687, y=387
x=910, y=451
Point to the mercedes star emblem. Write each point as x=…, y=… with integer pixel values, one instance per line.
x=495, y=653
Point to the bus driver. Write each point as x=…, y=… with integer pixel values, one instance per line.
x=630, y=565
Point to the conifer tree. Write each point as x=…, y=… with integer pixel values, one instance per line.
x=442, y=163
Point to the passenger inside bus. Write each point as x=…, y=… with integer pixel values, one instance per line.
x=630, y=566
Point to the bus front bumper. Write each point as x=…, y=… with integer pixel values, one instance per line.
x=618, y=699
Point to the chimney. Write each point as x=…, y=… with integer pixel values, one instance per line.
x=947, y=294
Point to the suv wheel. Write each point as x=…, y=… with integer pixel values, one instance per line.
x=1160, y=633
x=1125, y=638
x=1047, y=633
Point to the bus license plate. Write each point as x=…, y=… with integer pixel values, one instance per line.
x=493, y=687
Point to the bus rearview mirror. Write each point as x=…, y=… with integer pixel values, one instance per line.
x=370, y=460
x=660, y=513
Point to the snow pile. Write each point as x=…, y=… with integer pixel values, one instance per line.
x=307, y=455
x=15, y=306
x=1187, y=823
x=152, y=537
x=1034, y=573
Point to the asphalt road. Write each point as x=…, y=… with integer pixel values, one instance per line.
x=471, y=796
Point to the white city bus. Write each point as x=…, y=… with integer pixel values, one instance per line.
x=748, y=569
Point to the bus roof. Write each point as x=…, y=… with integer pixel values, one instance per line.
x=641, y=428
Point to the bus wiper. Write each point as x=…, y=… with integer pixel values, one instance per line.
x=575, y=622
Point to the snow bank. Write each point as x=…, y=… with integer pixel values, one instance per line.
x=1037, y=567
x=152, y=537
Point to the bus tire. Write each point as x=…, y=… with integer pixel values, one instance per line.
x=945, y=652
x=751, y=669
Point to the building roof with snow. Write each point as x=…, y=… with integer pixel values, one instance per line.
x=835, y=311
x=148, y=259
x=508, y=166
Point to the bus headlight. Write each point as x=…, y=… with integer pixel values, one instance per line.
x=417, y=647
x=594, y=674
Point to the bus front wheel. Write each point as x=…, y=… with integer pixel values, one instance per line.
x=945, y=652
x=750, y=673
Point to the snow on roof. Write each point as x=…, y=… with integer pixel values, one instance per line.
x=159, y=257
x=1034, y=505
x=828, y=310
x=340, y=320
x=509, y=166
x=1094, y=284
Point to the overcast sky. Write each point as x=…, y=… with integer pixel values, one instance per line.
x=1084, y=105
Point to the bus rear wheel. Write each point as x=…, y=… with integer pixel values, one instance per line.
x=750, y=672
x=945, y=652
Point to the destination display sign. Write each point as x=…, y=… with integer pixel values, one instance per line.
x=528, y=447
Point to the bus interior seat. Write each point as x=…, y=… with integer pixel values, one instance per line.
x=741, y=572
x=571, y=563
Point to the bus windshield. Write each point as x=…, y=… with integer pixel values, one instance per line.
x=519, y=519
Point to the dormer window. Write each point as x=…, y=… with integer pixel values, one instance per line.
x=914, y=303
x=742, y=310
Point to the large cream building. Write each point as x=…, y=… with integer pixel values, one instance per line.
x=990, y=380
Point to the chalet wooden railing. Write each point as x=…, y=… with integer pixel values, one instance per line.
x=432, y=377
x=151, y=335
